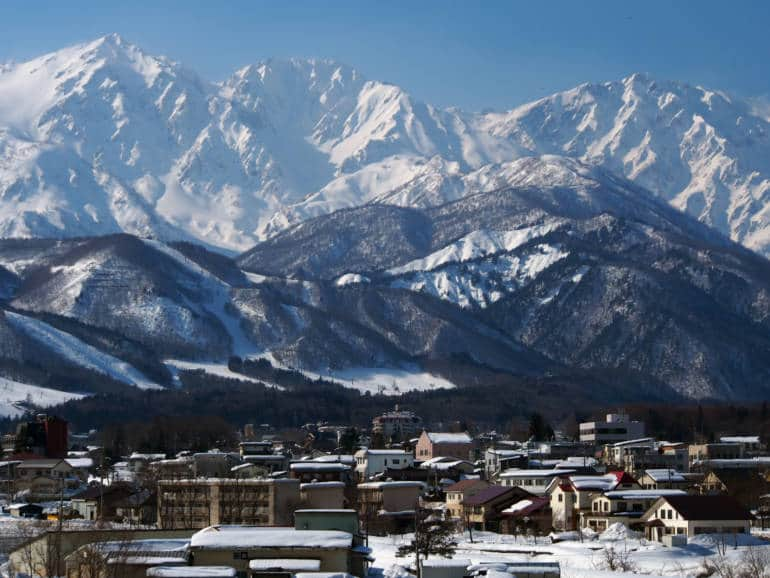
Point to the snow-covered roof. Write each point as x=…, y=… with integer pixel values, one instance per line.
x=383, y=452
x=314, y=485
x=191, y=572
x=739, y=439
x=641, y=494
x=288, y=564
x=449, y=438
x=245, y=537
x=323, y=575
x=664, y=475
x=604, y=483
x=520, y=473
x=80, y=463
x=318, y=467
x=394, y=484
x=147, y=457
x=446, y=563
x=636, y=442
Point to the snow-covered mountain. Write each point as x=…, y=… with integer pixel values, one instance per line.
x=103, y=138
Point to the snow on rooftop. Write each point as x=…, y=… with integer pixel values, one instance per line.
x=288, y=564
x=78, y=463
x=604, y=483
x=245, y=537
x=191, y=572
x=323, y=575
x=319, y=466
x=641, y=494
x=446, y=563
x=316, y=485
x=664, y=475
x=518, y=506
x=739, y=439
x=449, y=438
x=392, y=484
x=520, y=473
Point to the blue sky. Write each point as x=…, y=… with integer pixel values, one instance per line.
x=469, y=54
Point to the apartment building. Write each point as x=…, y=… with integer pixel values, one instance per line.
x=198, y=503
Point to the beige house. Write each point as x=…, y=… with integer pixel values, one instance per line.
x=573, y=495
x=624, y=506
x=198, y=503
x=456, y=493
x=44, y=479
x=693, y=515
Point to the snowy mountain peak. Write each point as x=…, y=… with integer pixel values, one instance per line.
x=102, y=137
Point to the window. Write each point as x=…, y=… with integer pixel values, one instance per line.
x=561, y=497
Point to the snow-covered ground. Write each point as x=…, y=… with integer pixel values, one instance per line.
x=217, y=369
x=385, y=380
x=15, y=396
x=578, y=559
x=79, y=353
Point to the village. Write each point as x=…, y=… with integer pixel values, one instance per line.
x=614, y=500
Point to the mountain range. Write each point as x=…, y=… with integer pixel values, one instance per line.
x=154, y=223
x=101, y=138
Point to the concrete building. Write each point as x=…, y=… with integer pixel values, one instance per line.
x=322, y=495
x=198, y=503
x=239, y=546
x=617, y=427
x=397, y=425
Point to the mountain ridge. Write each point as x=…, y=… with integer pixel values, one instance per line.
x=102, y=138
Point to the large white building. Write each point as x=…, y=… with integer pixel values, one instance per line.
x=617, y=427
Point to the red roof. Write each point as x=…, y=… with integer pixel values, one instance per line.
x=623, y=477
x=489, y=494
x=537, y=504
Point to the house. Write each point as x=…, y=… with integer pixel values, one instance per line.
x=528, y=516
x=139, y=507
x=322, y=495
x=659, y=479
x=81, y=467
x=238, y=546
x=747, y=486
x=533, y=481
x=447, y=469
x=99, y=502
x=24, y=510
x=456, y=493
x=201, y=502
x=622, y=506
x=371, y=461
x=482, y=510
x=137, y=462
x=693, y=515
x=572, y=495
x=616, y=427
x=436, y=444
x=45, y=479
